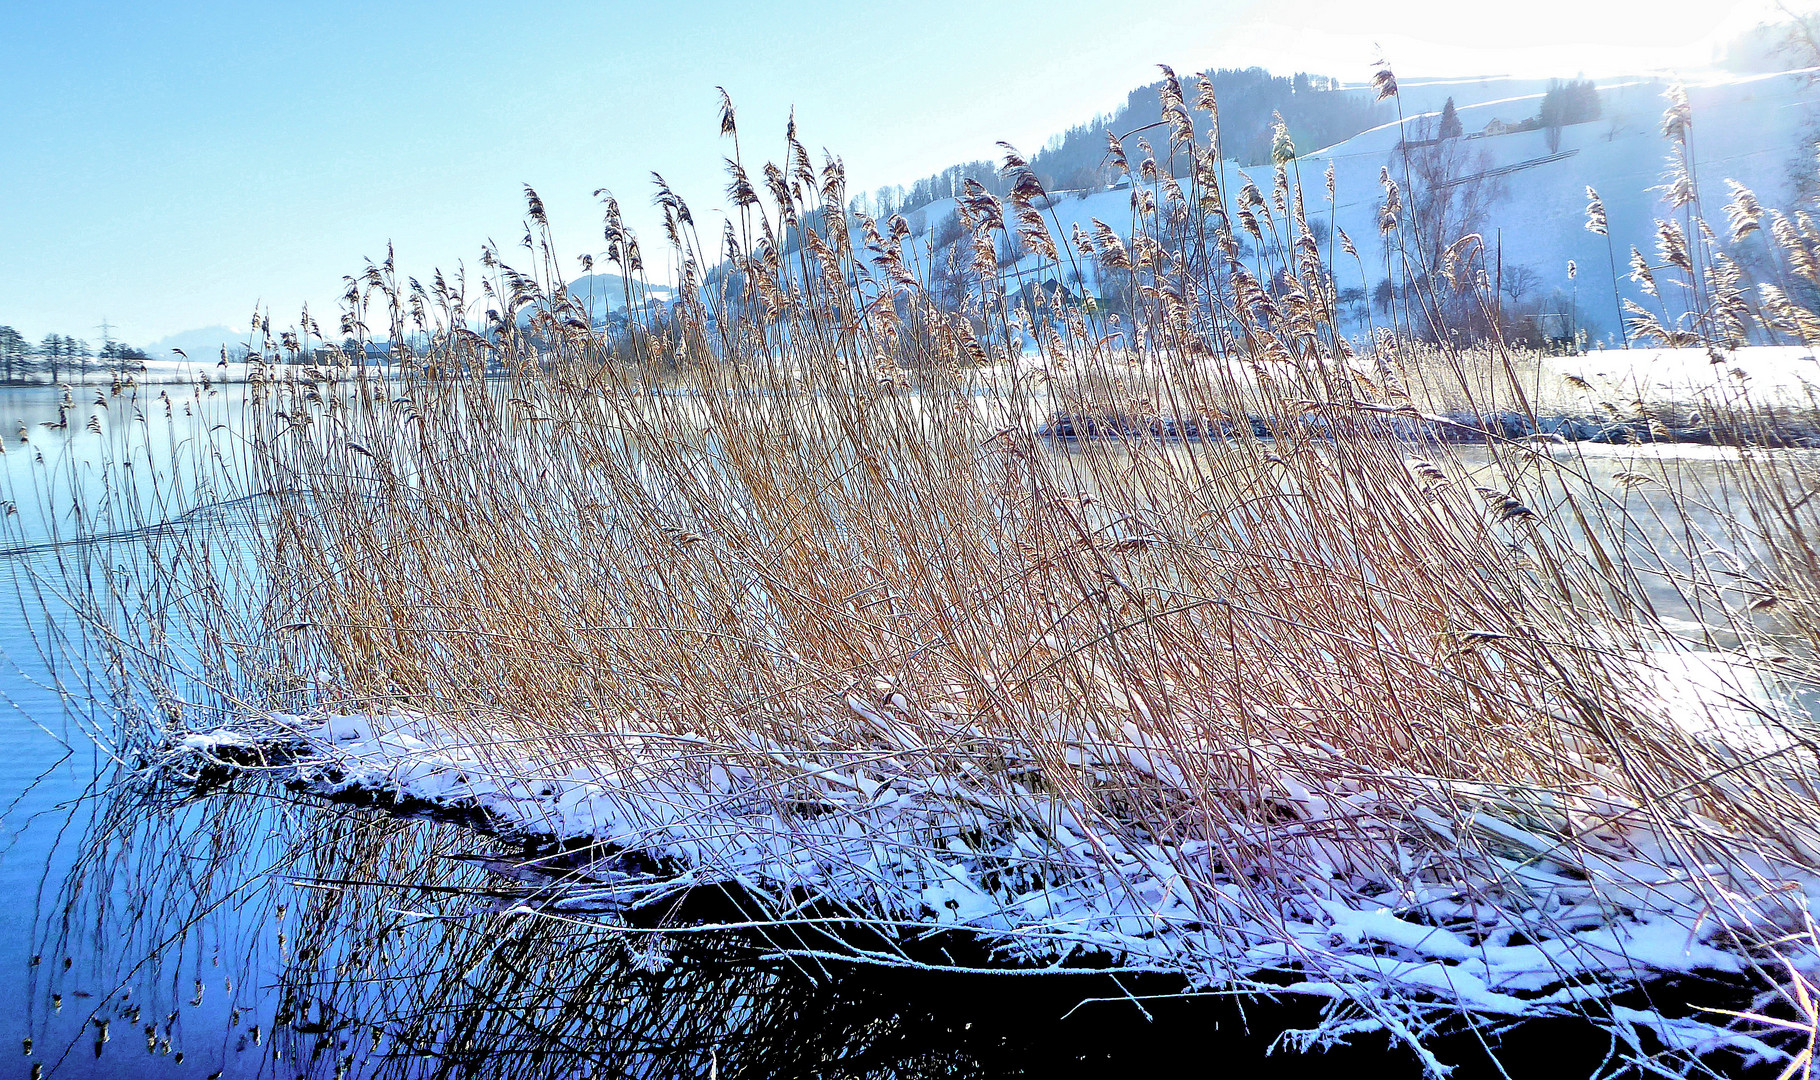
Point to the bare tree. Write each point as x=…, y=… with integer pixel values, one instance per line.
x=948, y=285
x=1452, y=189
x=13, y=350
x=1520, y=281
x=1354, y=300
x=1801, y=38
x=1798, y=44
x=1451, y=192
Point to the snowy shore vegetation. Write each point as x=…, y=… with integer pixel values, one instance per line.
x=781, y=592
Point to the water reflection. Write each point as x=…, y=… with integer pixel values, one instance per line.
x=242, y=930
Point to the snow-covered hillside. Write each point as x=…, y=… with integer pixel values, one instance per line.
x=1748, y=128
x=603, y=294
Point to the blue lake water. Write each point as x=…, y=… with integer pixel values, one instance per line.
x=203, y=925
x=153, y=929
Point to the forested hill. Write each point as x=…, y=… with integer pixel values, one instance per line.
x=1319, y=111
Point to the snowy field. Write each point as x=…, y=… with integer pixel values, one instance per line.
x=1774, y=374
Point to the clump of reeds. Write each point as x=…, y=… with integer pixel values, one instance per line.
x=837, y=623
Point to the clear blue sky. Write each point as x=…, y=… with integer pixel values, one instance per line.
x=167, y=166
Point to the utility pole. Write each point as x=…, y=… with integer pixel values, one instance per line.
x=107, y=344
x=1498, y=288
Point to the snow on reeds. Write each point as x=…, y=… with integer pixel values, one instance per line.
x=777, y=590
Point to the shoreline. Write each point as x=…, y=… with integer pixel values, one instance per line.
x=653, y=832
x=1666, y=424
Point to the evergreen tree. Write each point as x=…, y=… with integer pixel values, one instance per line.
x=1451, y=128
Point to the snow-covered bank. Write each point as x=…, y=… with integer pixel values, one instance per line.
x=1404, y=900
x=1773, y=374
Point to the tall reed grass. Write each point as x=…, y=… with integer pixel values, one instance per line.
x=787, y=580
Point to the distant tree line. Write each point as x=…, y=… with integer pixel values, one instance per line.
x=1573, y=102
x=897, y=199
x=60, y=356
x=1318, y=111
